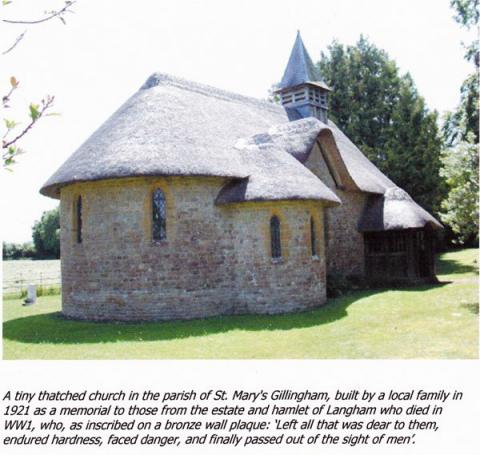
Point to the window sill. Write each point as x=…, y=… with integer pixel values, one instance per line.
x=159, y=242
x=277, y=260
x=316, y=258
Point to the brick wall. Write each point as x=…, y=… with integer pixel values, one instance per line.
x=294, y=281
x=216, y=260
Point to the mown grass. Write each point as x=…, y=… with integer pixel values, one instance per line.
x=434, y=321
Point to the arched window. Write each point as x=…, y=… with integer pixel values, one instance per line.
x=159, y=216
x=313, y=237
x=276, y=246
x=78, y=218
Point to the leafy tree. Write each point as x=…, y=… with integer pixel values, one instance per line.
x=46, y=234
x=365, y=85
x=460, y=168
x=413, y=148
x=18, y=251
x=467, y=14
x=460, y=159
x=465, y=119
x=382, y=112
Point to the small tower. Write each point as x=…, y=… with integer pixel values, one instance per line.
x=302, y=87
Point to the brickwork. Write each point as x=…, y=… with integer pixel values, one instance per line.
x=215, y=260
x=345, y=245
x=294, y=281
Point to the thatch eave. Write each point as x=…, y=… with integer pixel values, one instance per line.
x=395, y=211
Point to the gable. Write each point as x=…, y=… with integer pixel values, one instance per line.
x=317, y=164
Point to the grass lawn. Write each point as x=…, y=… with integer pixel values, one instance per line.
x=435, y=321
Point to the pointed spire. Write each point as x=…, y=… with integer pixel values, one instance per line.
x=300, y=68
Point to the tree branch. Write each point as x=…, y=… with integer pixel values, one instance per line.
x=58, y=13
x=46, y=103
x=14, y=45
x=13, y=87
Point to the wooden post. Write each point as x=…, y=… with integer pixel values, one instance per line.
x=411, y=256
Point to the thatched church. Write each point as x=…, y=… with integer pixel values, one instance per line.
x=190, y=201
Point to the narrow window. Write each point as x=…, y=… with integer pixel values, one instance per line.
x=313, y=236
x=159, y=223
x=78, y=219
x=275, y=237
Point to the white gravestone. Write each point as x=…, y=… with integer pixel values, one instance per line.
x=31, y=295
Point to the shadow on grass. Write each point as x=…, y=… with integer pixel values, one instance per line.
x=472, y=307
x=451, y=267
x=54, y=328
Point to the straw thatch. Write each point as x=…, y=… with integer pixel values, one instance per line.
x=174, y=127
x=274, y=172
x=395, y=210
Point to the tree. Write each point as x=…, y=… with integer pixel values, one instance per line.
x=460, y=159
x=460, y=168
x=46, y=234
x=17, y=250
x=413, y=148
x=467, y=14
x=382, y=112
x=13, y=131
x=464, y=120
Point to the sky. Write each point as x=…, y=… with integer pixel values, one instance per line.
x=109, y=47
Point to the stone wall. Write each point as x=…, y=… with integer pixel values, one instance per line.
x=215, y=260
x=345, y=245
x=294, y=281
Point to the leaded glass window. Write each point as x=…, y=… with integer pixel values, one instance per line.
x=313, y=236
x=275, y=237
x=78, y=219
x=159, y=216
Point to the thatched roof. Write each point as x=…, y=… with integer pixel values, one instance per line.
x=174, y=127
x=267, y=156
x=169, y=127
x=395, y=210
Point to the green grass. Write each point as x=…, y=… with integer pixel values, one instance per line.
x=435, y=321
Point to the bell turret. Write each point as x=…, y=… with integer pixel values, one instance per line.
x=302, y=87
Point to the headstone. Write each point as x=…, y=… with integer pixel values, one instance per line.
x=31, y=295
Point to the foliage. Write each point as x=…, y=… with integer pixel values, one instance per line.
x=464, y=120
x=461, y=133
x=404, y=323
x=17, y=250
x=382, y=112
x=467, y=15
x=12, y=133
x=460, y=208
x=467, y=12
x=46, y=234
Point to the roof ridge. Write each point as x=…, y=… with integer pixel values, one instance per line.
x=159, y=78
